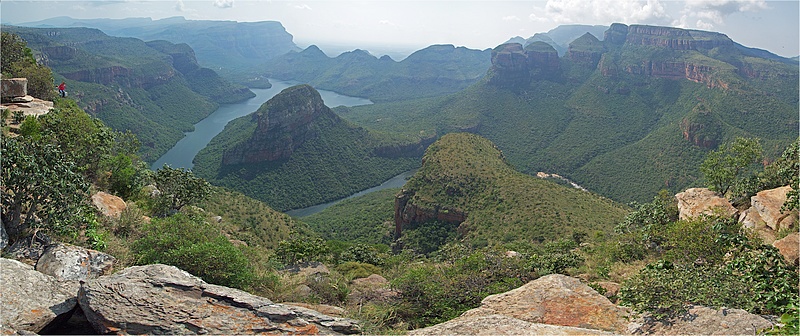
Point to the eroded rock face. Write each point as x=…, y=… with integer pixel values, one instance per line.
x=513, y=65
x=30, y=300
x=701, y=201
x=706, y=321
x=768, y=204
x=407, y=213
x=69, y=262
x=14, y=87
x=495, y=324
x=557, y=300
x=159, y=299
x=109, y=205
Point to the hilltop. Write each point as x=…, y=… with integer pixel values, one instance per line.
x=295, y=152
x=465, y=183
x=644, y=104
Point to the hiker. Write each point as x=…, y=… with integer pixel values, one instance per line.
x=62, y=89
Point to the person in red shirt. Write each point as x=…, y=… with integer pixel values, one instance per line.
x=62, y=89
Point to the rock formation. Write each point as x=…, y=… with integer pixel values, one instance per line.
x=284, y=123
x=109, y=205
x=706, y=321
x=407, y=213
x=495, y=324
x=69, y=262
x=513, y=66
x=789, y=247
x=700, y=201
x=156, y=299
x=768, y=204
x=31, y=300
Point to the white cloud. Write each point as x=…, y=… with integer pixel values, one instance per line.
x=223, y=3
x=602, y=11
x=711, y=13
x=511, y=18
x=301, y=6
x=179, y=6
x=387, y=23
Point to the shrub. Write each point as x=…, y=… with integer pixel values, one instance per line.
x=355, y=270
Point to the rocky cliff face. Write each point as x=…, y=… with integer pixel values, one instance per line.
x=514, y=66
x=284, y=123
x=408, y=214
x=586, y=50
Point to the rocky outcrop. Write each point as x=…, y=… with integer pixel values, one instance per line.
x=557, y=300
x=109, y=205
x=31, y=300
x=158, y=299
x=13, y=87
x=123, y=76
x=677, y=70
x=700, y=201
x=69, y=262
x=586, y=50
x=495, y=324
x=373, y=288
x=768, y=204
x=701, y=128
x=411, y=149
x=513, y=66
x=789, y=246
x=408, y=213
x=284, y=123
x=706, y=321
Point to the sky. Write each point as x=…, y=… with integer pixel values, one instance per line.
x=412, y=25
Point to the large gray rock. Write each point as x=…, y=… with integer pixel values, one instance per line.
x=30, y=300
x=491, y=325
x=706, y=321
x=159, y=299
x=69, y=262
x=14, y=87
x=557, y=300
x=701, y=201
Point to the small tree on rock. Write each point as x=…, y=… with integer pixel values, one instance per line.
x=731, y=164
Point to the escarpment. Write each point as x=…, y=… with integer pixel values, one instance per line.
x=513, y=65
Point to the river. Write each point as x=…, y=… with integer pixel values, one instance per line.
x=182, y=154
x=394, y=182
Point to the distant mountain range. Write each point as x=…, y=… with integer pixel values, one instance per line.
x=561, y=36
x=432, y=71
x=229, y=47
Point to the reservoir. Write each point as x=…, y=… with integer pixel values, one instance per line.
x=182, y=154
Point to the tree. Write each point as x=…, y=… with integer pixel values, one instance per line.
x=42, y=183
x=179, y=188
x=729, y=164
x=16, y=60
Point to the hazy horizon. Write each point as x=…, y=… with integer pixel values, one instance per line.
x=400, y=27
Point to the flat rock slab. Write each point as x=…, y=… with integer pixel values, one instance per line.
x=706, y=321
x=492, y=325
x=161, y=299
x=30, y=300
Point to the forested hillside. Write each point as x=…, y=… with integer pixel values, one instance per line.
x=155, y=90
x=624, y=117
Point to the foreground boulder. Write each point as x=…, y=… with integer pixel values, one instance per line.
x=706, y=321
x=161, y=299
x=30, y=300
x=557, y=300
x=701, y=201
x=69, y=262
x=491, y=325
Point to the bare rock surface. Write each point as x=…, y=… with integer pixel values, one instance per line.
x=558, y=300
x=496, y=324
x=768, y=204
x=69, y=262
x=701, y=201
x=30, y=300
x=109, y=205
x=159, y=299
x=706, y=321
x=789, y=246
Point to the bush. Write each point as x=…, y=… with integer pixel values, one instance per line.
x=297, y=250
x=355, y=270
x=195, y=246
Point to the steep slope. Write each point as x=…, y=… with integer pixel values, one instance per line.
x=295, y=152
x=624, y=117
x=230, y=47
x=435, y=70
x=465, y=182
x=156, y=89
